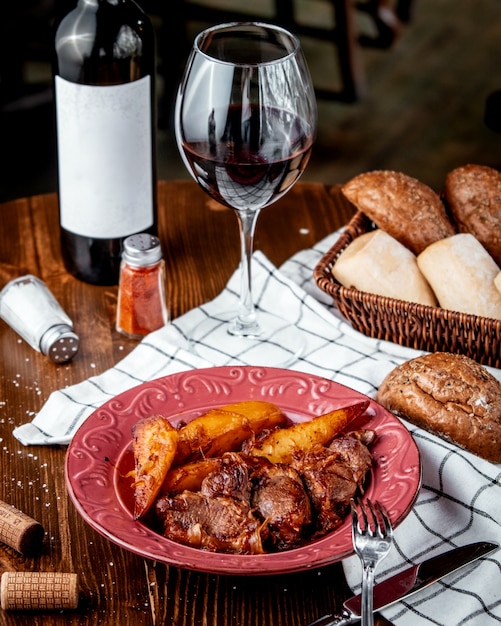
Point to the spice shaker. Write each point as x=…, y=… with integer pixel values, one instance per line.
x=28, y=306
x=141, y=293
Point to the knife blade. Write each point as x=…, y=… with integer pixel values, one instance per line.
x=410, y=581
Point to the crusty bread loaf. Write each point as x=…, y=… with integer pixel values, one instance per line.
x=473, y=195
x=450, y=395
x=461, y=273
x=404, y=207
x=377, y=263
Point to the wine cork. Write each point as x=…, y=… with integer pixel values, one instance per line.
x=19, y=531
x=38, y=591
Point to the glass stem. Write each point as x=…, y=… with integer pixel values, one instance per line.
x=245, y=324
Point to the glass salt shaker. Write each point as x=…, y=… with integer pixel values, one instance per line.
x=141, y=305
x=28, y=306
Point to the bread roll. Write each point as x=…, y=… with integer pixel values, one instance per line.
x=405, y=208
x=497, y=282
x=461, y=273
x=450, y=395
x=473, y=195
x=377, y=263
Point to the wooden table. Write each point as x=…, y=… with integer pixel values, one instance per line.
x=201, y=250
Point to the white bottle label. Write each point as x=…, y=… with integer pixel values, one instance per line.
x=104, y=154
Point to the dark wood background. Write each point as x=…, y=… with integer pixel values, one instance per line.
x=423, y=112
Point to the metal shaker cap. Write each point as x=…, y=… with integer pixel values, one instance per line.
x=60, y=343
x=142, y=250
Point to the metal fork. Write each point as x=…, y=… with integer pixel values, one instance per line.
x=372, y=540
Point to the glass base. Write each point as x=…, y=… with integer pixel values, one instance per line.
x=280, y=344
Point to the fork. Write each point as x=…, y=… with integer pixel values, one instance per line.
x=372, y=540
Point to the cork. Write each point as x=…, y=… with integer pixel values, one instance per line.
x=38, y=591
x=19, y=531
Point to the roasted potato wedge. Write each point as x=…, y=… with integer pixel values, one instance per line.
x=189, y=477
x=154, y=443
x=224, y=429
x=281, y=445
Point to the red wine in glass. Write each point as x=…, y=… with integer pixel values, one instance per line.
x=245, y=124
x=249, y=173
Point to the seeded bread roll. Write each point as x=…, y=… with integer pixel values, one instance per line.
x=451, y=396
x=377, y=263
x=473, y=195
x=405, y=208
x=461, y=273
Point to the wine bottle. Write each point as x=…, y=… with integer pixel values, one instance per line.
x=104, y=86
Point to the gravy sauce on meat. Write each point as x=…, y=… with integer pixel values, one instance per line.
x=249, y=505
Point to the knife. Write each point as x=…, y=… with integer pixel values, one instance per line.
x=408, y=582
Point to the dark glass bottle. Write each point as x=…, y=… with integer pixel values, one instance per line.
x=104, y=84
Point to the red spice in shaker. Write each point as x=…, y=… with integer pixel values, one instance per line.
x=141, y=293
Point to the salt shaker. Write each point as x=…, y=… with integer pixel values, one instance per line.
x=141, y=293
x=28, y=306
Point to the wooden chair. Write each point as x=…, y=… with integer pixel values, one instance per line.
x=36, y=17
x=388, y=17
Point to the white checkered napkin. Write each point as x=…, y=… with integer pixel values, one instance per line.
x=459, y=503
x=333, y=350
x=460, y=500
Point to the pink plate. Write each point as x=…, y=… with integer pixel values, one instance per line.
x=100, y=456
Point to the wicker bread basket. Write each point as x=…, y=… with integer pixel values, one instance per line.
x=427, y=328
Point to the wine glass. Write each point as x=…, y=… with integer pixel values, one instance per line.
x=245, y=123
